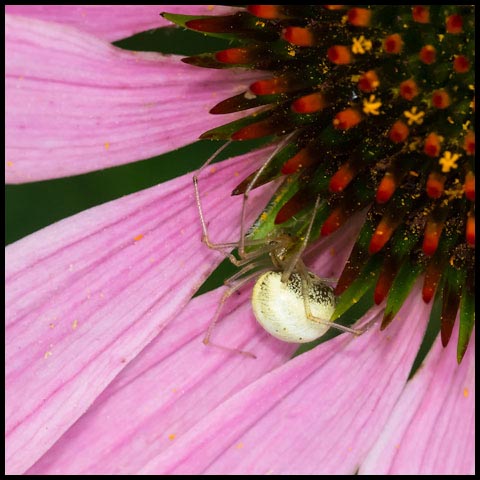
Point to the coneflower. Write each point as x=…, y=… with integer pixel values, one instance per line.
x=377, y=104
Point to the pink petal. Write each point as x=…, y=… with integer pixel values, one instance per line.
x=84, y=296
x=76, y=104
x=168, y=388
x=317, y=414
x=184, y=380
x=432, y=428
x=112, y=22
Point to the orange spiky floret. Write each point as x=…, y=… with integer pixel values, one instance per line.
x=386, y=189
x=433, y=274
x=339, y=54
x=381, y=235
x=292, y=207
x=333, y=222
x=470, y=230
x=368, y=81
x=346, y=119
x=300, y=36
x=441, y=99
x=435, y=184
x=409, y=89
x=359, y=17
x=311, y=103
x=461, y=64
x=303, y=158
x=270, y=12
x=234, y=56
x=399, y=132
x=342, y=178
x=469, y=186
x=431, y=236
x=454, y=24
x=270, y=86
x=428, y=54
x=433, y=145
x=256, y=130
x=421, y=14
x=469, y=143
x=393, y=43
x=385, y=280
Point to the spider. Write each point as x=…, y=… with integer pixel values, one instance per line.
x=290, y=302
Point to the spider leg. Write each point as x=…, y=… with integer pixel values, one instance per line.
x=224, y=247
x=306, y=286
x=292, y=264
x=250, y=186
x=228, y=293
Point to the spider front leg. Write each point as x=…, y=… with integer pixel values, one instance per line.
x=226, y=247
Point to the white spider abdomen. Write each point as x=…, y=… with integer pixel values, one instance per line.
x=280, y=307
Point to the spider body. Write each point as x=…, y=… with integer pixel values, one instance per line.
x=279, y=306
x=290, y=302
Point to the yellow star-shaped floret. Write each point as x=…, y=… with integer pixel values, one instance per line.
x=371, y=106
x=449, y=161
x=361, y=45
x=413, y=116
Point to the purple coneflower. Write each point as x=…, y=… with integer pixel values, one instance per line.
x=106, y=371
